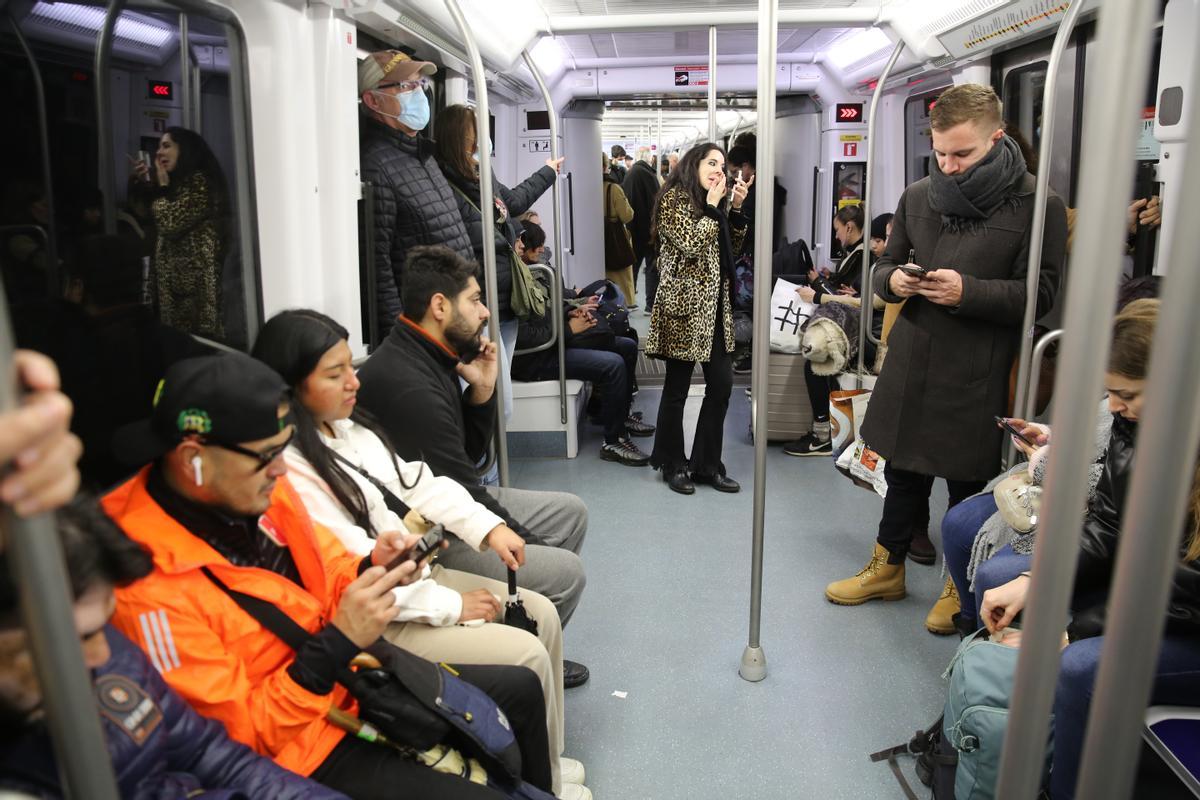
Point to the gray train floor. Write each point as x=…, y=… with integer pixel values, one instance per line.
x=664, y=621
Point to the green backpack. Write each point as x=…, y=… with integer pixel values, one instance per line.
x=976, y=714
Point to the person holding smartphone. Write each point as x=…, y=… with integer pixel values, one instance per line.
x=413, y=385
x=952, y=347
x=350, y=479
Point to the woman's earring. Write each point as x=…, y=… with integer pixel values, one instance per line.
x=197, y=472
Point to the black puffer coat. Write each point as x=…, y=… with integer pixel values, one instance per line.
x=1098, y=547
x=516, y=201
x=413, y=206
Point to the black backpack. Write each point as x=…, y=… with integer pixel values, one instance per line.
x=936, y=761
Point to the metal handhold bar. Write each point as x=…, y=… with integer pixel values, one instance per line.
x=1106, y=173
x=487, y=222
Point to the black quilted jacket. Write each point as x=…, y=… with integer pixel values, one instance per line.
x=413, y=206
x=518, y=200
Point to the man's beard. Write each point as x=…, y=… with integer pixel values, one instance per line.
x=465, y=341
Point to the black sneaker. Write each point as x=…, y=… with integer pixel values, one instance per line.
x=624, y=451
x=809, y=445
x=635, y=427
x=742, y=366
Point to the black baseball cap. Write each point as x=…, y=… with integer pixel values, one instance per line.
x=229, y=399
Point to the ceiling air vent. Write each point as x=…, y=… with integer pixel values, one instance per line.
x=967, y=11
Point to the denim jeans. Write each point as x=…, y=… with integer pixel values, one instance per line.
x=960, y=526
x=907, y=502
x=1176, y=682
x=611, y=374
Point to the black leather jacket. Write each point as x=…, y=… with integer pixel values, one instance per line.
x=1098, y=545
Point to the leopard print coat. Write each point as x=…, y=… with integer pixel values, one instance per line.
x=684, y=317
x=188, y=259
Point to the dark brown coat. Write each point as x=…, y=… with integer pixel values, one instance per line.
x=946, y=374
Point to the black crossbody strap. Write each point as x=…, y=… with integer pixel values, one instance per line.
x=394, y=503
x=267, y=614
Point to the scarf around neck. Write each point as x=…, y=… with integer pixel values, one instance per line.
x=966, y=200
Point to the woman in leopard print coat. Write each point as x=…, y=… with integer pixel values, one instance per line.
x=190, y=208
x=691, y=322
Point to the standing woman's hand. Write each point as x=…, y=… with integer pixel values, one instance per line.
x=556, y=164
x=163, y=178
x=716, y=188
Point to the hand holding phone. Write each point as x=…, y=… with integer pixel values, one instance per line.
x=911, y=268
x=1008, y=426
x=423, y=549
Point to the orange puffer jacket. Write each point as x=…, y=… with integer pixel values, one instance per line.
x=217, y=656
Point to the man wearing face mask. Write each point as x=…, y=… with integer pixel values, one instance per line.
x=958, y=253
x=413, y=204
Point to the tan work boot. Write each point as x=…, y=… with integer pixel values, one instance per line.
x=877, y=580
x=940, y=620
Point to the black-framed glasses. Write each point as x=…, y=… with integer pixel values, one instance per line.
x=406, y=86
x=264, y=458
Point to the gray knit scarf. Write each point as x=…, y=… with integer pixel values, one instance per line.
x=966, y=200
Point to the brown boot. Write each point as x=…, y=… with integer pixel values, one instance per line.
x=921, y=549
x=940, y=619
x=877, y=580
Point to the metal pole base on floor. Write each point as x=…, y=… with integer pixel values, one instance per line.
x=754, y=664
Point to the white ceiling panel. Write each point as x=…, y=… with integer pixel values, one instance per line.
x=693, y=44
x=590, y=7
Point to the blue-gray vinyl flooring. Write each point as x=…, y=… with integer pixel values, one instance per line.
x=665, y=618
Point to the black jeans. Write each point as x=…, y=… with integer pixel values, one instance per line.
x=651, y=278
x=367, y=771
x=819, y=387
x=710, y=427
x=907, y=502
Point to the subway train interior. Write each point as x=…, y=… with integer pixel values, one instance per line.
x=719, y=667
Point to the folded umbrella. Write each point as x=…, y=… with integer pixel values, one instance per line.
x=514, y=610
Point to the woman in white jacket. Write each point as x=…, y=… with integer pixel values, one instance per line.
x=448, y=615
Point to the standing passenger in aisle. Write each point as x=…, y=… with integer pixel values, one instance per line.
x=965, y=230
x=692, y=320
x=641, y=188
x=413, y=203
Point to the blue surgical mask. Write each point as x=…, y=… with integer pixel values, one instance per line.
x=414, y=110
x=475, y=155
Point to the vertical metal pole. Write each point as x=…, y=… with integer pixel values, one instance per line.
x=185, y=73
x=243, y=155
x=1106, y=175
x=1022, y=401
x=197, y=101
x=104, y=141
x=867, y=295
x=53, y=287
x=662, y=153
x=712, y=83
x=36, y=563
x=754, y=660
x=482, y=131
x=1155, y=514
x=556, y=289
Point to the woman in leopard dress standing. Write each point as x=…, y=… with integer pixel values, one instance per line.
x=696, y=237
x=191, y=209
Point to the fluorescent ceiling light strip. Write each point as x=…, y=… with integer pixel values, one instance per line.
x=91, y=18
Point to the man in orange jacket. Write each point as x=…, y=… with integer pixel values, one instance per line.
x=214, y=496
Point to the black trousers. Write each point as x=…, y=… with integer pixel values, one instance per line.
x=710, y=427
x=907, y=504
x=819, y=387
x=366, y=771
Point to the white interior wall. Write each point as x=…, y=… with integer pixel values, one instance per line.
x=581, y=131
x=797, y=151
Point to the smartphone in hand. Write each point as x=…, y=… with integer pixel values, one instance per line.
x=1006, y=425
x=424, y=548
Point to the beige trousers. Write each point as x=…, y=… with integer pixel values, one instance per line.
x=497, y=643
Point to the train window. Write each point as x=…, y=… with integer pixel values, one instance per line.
x=115, y=300
x=1022, y=95
x=916, y=134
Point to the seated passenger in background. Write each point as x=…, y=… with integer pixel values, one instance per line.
x=881, y=229
x=840, y=286
x=350, y=480
x=410, y=384
x=413, y=203
x=1177, y=680
x=213, y=505
x=593, y=353
x=159, y=746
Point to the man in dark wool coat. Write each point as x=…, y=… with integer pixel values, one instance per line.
x=958, y=254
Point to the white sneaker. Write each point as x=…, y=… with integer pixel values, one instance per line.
x=571, y=770
x=575, y=791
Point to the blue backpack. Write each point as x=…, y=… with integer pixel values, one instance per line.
x=976, y=714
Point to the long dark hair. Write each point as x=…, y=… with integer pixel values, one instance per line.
x=686, y=177
x=196, y=156
x=293, y=343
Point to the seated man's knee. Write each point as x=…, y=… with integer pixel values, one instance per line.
x=1080, y=661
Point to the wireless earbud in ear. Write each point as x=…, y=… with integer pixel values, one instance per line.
x=197, y=472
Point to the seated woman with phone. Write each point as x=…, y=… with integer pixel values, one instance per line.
x=353, y=483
